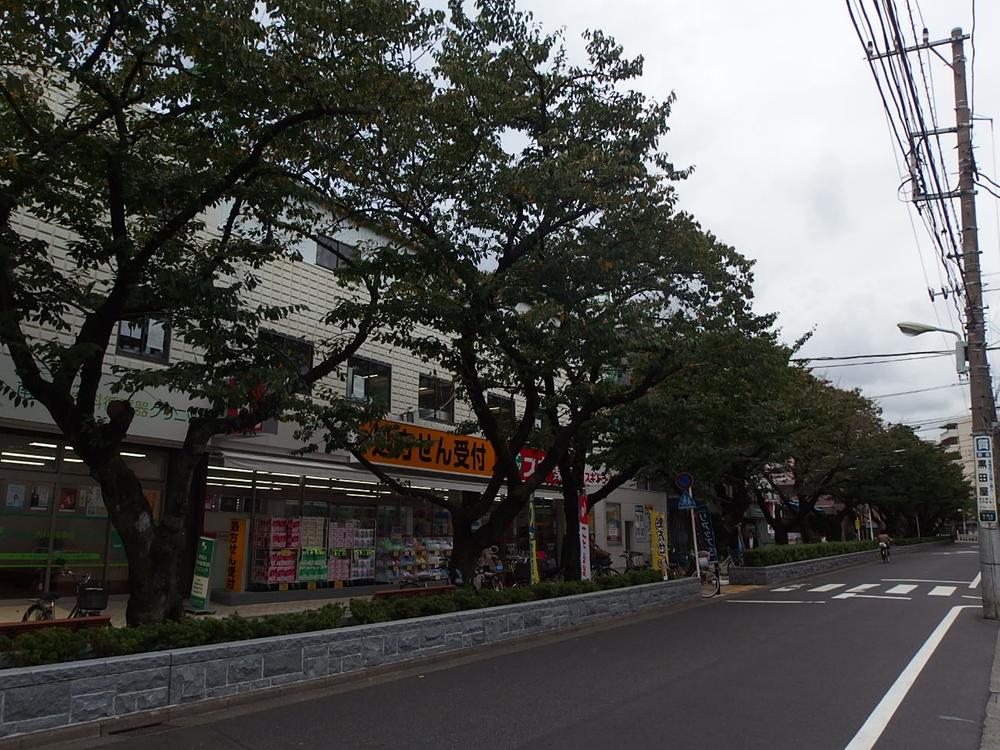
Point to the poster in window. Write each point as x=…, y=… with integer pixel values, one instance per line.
x=39, y=498
x=15, y=497
x=155, y=337
x=67, y=499
x=93, y=502
x=614, y=520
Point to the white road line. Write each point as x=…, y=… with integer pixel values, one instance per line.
x=919, y=580
x=879, y=719
x=966, y=596
x=864, y=587
x=848, y=595
x=774, y=601
x=975, y=581
x=941, y=591
x=828, y=587
x=786, y=588
x=903, y=588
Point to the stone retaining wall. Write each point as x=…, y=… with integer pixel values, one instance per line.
x=59, y=695
x=768, y=574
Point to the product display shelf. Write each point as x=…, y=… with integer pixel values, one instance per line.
x=413, y=558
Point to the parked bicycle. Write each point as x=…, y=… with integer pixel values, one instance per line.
x=601, y=568
x=91, y=600
x=634, y=561
x=683, y=566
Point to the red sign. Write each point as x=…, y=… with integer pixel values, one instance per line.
x=532, y=457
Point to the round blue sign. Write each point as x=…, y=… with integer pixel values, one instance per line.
x=685, y=480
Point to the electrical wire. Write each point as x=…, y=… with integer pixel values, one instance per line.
x=868, y=356
x=918, y=390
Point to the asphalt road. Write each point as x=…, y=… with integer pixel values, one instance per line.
x=797, y=666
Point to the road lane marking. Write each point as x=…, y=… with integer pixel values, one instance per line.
x=958, y=718
x=879, y=719
x=863, y=587
x=827, y=587
x=975, y=581
x=941, y=591
x=903, y=588
x=966, y=596
x=920, y=580
x=775, y=601
x=849, y=595
x=788, y=588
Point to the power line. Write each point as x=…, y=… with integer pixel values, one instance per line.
x=867, y=356
x=918, y=390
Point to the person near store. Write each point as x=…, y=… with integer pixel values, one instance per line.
x=598, y=557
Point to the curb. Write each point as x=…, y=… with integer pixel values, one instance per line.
x=990, y=739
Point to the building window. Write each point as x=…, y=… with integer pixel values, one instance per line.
x=503, y=411
x=290, y=357
x=369, y=381
x=147, y=337
x=333, y=254
x=436, y=399
x=614, y=523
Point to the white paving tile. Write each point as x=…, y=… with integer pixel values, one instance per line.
x=903, y=588
x=828, y=587
x=942, y=591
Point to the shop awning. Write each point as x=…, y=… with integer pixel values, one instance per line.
x=300, y=466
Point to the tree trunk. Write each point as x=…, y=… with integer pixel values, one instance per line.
x=780, y=531
x=465, y=552
x=571, y=540
x=153, y=550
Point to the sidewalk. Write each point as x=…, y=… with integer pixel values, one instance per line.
x=991, y=724
x=11, y=610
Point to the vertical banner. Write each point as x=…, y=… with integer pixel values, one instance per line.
x=658, y=543
x=584, y=539
x=202, y=573
x=533, y=541
x=235, y=574
x=706, y=532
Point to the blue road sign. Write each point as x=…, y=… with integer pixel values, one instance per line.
x=686, y=502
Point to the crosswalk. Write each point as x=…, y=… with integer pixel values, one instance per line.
x=888, y=589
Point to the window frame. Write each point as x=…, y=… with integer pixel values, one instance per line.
x=342, y=252
x=370, y=362
x=146, y=319
x=435, y=384
x=501, y=400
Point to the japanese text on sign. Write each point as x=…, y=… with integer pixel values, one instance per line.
x=437, y=450
x=986, y=497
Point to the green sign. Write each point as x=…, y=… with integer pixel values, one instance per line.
x=202, y=573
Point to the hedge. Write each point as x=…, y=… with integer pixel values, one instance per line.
x=55, y=644
x=384, y=610
x=776, y=554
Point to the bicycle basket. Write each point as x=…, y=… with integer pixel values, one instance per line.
x=92, y=597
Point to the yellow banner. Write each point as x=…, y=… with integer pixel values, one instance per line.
x=533, y=541
x=236, y=554
x=658, y=542
x=437, y=450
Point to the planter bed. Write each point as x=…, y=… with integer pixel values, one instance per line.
x=768, y=574
x=101, y=694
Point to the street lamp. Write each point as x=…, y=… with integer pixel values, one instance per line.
x=908, y=328
x=970, y=357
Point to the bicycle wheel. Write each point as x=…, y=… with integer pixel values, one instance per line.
x=37, y=612
x=709, y=584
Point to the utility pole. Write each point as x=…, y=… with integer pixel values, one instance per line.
x=980, y=390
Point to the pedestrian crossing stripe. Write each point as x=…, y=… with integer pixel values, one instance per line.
x=884, y=590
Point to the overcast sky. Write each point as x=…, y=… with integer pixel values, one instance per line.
x=778, y=113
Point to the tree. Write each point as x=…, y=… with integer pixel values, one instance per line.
x=914, y=484
x=546, y=256
x=127, y=126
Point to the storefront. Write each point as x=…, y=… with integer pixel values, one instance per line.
x=52, y=515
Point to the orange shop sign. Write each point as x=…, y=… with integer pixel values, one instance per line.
x=438, y=451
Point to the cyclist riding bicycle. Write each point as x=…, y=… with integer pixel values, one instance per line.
x=884, y=540
x=598, y=557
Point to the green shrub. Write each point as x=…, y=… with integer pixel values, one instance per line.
x=777, y=554
x=59, y=644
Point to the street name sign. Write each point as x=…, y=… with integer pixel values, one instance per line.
x=986, y=495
